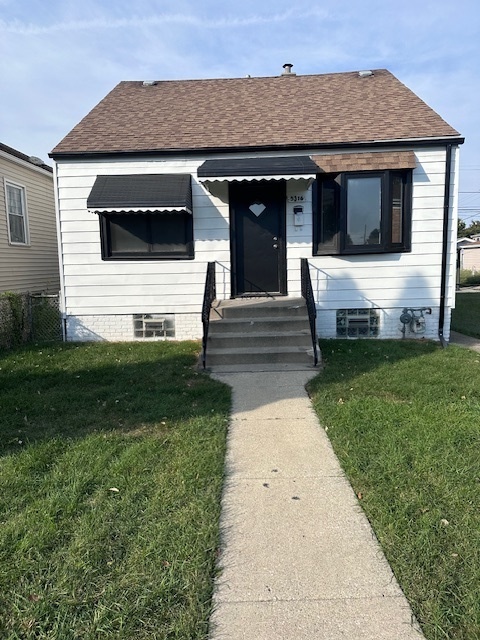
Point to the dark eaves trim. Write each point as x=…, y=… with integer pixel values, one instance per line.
x=10, y=151
x=446, y=211
x=373, y=144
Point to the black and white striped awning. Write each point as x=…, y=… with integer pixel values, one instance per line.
x=258, y=168
x=141, y=193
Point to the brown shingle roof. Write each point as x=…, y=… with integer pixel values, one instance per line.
x=253, y=113
x=367, y=161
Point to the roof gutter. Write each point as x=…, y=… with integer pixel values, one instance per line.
x=45, y=170
x=377, y=144
x=446, y=210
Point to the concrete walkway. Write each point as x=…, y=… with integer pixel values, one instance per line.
x=299, y=559
x=464, y=341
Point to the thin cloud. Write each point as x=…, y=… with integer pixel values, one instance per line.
x=19, y=28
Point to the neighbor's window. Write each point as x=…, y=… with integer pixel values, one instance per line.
x=366, y=212
x=147, y=236
x=17, y=213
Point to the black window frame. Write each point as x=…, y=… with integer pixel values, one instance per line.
x=106, y=243
x=336, y=183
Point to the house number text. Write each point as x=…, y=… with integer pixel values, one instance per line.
x=296, y=198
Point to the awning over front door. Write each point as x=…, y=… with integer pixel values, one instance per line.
x=141, y=193
x=256, y=168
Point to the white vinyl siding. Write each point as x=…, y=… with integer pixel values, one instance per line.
x=95, y=286
x=388, y=281
x=32, y=266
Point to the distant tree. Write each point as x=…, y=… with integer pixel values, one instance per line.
x=472, y=229
x=461, y=232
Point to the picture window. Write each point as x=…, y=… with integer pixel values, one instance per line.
x=363, y=212
x=147, y=236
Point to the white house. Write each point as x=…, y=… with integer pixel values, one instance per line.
x=351, y=171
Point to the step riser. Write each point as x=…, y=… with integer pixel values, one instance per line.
x=294, y=311
x=258, y=326
x=258, y=358
x=249, y=342
x=260, y=333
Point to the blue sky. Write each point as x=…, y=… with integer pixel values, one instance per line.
x=58, y=58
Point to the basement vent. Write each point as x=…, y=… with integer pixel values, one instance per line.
x=357, y=323
x=152, y=325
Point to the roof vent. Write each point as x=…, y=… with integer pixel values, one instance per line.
x=365, y=74
x=149, y=83
x=38, y=161
x=287, y=70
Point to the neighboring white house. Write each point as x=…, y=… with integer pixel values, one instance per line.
x=28, y=232
x=469, y=253
x=351, y=171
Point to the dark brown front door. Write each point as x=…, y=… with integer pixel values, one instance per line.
x=258, y=238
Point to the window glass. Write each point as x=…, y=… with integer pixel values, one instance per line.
x=128, y=233
x=169, y=233
x=364, y=211
x=367, y=212
x=397, y=208
x=16, y=214
x=328, y=220
x=147, y=235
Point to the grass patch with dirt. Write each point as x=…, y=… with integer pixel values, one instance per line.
x=404, y=420
x=110, y=480
x=466, y=315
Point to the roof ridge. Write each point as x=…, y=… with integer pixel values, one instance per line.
x=248, y=77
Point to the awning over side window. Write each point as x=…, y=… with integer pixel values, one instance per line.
x=367, y=161
x=141, y=193
x=255, y=168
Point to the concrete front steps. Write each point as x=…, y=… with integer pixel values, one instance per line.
x=259, y=334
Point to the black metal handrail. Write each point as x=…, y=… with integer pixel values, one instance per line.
x=307, y=293
x=208, y=297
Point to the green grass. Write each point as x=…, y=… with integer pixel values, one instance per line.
x=466, y=315
x=404, y=419
x=110, y=478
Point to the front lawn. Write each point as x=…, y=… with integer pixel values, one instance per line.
x=404, y=419
x=110, y=479
x=466, y=315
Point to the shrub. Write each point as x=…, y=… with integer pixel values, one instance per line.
x=469, y=278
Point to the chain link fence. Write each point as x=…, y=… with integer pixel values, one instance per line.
x=27, y=317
